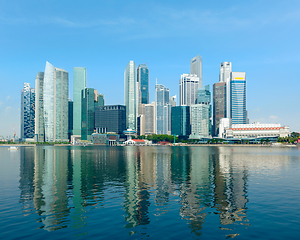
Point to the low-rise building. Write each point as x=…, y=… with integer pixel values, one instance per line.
x=105, y=139
x=256, y=130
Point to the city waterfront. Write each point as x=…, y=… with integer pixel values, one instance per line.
x=155, y=192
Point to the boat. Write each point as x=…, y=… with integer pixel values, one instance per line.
x=13, y=148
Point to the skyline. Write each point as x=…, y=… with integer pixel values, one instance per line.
x=249, y=35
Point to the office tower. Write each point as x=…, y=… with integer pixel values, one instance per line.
x=110, y=118
x=201, y=115
x=238, y=97
x=27, y=111
x=143, y=81
x=56, y=92
x=225, y=70
x=88, y=102
x=162, y=109
x=79, y=83
x=150, y=119
x=100, y=101
x=219, y=105
x=188, y=85
x=180, y=121
x=196, y=68
x=131, y=95
x=70, y=124
x=172, y=101
x=141, y=120
x=39, y=108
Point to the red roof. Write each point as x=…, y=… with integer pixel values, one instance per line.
x=138, y=140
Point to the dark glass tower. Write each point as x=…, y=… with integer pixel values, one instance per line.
x=27, y=111
x=219, y=105
x=143, y=81
x=87, y=113
x=180, y=121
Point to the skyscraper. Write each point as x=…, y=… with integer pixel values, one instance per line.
x=70, y=124
x=238, y=97
x=225, y=70
x=79, y=83
x=196, y=68
x=39, y=107
x=181, y=121
x=162, y=109
x=150, y=119
x=88, y=113
x=27, y=111
x=131, y=95
x=188, y=85
x=143, y=80
x=219, y=105
x=56, y=92
x=201, y=114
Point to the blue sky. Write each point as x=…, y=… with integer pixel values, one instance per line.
x=260, y=37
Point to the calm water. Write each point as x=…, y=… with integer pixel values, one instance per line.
x=150, y=192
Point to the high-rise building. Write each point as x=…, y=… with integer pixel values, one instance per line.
x=39, y=108
x=196, y=68
x=70, y=125
x=225, y=70
x=162, y=109
x=150, y=119
x=56, y=92
x=100, y=101
x=88, y=99
x=201, y=115
x=188, y=86
x=131, y=95
x=79, y=83
x=143, y=81
x=180, y=117
x=219, y=105
x=110, y=118
x=238, y=98
x=27, y=111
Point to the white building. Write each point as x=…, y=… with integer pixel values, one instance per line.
x=200, y=121
x=150, y=119
x=225, y=70
x=224, y=124
x=188, y=86
x=196, y=68
x=256, y=130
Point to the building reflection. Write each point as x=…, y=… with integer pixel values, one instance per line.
x=62, y=184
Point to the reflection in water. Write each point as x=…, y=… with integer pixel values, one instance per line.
x=63, y=185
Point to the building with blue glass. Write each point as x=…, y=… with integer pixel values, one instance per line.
x=238, y=111
x=27, y=112
x=143, y=81
x=180, y=121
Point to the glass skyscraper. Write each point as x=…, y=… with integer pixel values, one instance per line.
x=131, y=95
x=180, y=121
x=219, y=105
x=196, y=68
x=188, y=85
x=238, y=98
x=79, y=83
x=27, y=111
x=87, y=113
x=39, y=107
x=225, y=71
x=162, y=109
x=56, y=92
x=143, y=80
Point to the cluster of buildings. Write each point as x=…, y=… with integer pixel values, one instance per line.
x=47, y=115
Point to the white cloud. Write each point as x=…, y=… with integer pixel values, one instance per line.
x=8, y=98
x=272, y=117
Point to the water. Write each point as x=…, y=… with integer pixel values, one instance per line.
x=150, y=192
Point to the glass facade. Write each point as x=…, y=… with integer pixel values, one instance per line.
x=238, y=98
x=180, y=121
x=39, y=108
x=131, y=95
x=87, y=113
x=111, y=118
x=225, y=71
x=200, y=121
x=79, y=83
x=70, y=125
x=162, y=109
x=56, y=92
x=219, y=105
x=27, y=111
x=143, y=80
